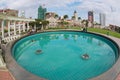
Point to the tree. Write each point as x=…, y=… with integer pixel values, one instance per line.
x=65, y=16
x=32, y=24
x=85, y=23
x=73, y=17
x=79, y=18
x=45, y=23
x=47, y=14
x=40, y=23
x=63, y=23
x=56, y=16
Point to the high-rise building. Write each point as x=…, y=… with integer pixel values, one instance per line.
x=102, y=19
x=41, y=12
x=9, y=12
x=90, y=16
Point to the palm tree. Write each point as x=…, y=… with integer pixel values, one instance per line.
x=40, y=23
x=45, y=23
x=32, y=24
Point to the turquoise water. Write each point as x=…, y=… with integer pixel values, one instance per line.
x=61, y=59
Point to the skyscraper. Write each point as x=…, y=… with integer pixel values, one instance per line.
x=90, y=16
x=102, y=19
x=41, y=12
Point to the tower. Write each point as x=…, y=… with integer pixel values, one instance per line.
x=102, y=19
x=90, y=16
x=76, y=15
x=41, y=12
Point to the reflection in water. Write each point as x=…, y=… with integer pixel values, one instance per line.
x=100, y=43
x=90, y=40
x=53, y=36
x=66, y=36
x=75, y=37
x=44, y=40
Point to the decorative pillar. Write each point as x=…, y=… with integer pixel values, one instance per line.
x=23, y=26
x=28, y=27
x=19, y=25
x=14, y=25
x=35, y=27
x=2, y=25
x=8, y=28
x=42, y=27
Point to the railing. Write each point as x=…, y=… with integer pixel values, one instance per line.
x=2, y=63
x=10, y=38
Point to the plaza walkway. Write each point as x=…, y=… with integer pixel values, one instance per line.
x=118, y=42
x=118, y=77
x=6, y=75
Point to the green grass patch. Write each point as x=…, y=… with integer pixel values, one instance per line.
x=97, y=30
x=103, y=31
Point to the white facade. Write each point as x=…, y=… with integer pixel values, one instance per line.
x=52, y=22
x=76, y=16
x=15, y=23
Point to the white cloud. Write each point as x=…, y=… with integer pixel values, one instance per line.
x=110, y=7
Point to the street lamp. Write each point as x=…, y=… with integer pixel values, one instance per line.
x=40, y=22
x=86, y=25
x=41, y=25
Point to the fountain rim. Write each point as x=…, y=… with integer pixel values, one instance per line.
x=114, y=70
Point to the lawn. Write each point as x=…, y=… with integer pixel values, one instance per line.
x=103, y=31
x=97, y=30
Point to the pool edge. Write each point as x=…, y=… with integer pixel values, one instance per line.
x=18, y=71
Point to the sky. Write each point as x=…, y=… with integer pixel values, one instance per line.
x=62, y=7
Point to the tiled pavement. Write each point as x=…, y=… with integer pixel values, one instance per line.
x=118, y=42
x=118, y=77
x=5, y=75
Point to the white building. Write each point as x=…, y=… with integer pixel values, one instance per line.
x=76, y=16
x=51, y=17
x=102, y=19
x=52, y=22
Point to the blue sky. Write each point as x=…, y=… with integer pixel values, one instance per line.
x=71, y=7
x=110, y=7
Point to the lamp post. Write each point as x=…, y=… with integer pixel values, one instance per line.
x=41, y=25
x=86, y=25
